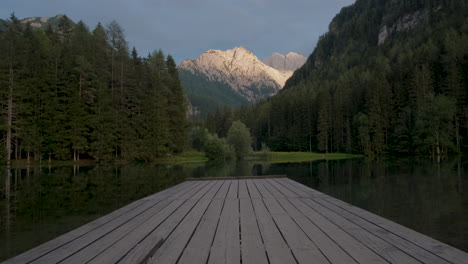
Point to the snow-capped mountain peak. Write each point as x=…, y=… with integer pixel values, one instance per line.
x=240, y=69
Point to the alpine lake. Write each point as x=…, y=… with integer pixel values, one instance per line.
x=39, y=203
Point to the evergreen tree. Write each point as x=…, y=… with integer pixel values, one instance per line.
x=323, y=125
x=11, y=68
x=70, y=93
x=177, y=108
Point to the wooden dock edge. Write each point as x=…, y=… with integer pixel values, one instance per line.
x=236, y=178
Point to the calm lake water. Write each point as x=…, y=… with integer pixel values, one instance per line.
x=40, y=203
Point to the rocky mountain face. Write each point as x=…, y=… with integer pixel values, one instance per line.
x=404, y=23
x=42, y=22
x=387, y=21
x=289, y=62
x=233, y=77
x=36, y=22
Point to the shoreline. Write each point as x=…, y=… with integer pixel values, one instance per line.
x=193, y=158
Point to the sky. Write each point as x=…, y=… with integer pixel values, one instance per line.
x=187, y=28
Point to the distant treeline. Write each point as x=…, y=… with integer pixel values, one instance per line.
x=407, y=94
x=66, y=93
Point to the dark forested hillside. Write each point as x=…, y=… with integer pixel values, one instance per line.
x=207, y=96
x=67, y=92
x=388, y=77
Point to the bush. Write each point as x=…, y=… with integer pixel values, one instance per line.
x=218, y=148
x=239, y=137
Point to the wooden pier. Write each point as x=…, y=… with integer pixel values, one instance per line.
x=245, y=220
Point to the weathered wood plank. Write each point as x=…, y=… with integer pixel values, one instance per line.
x=392, y=231
x=306, y=191
x=281, y=189
x=235, y=178
x=223, y=191
x=277, y=249
x=226, y=244
x=333, y=252
x=90, y=251
x=99, y=245
x=302, y=247
x=381, y=247
x=243, y=191
x=199, y=246
x=358, y=251
x=178, y=188
x=268, y=189
x=286, y=182
x=119, y=249
x=213, y=191
x=156, y=238
x=174, y=245
x=54, y=244
x=233, y=190
x=199, y=194
x=383, y=243
x=395, y=232
x=253, y=250
x=253, y=192
x=262, y=190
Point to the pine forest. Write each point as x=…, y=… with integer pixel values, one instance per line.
x=70, y=93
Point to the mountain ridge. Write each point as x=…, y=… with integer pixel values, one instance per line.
x=289, y=62
x=231, y=64
x=233, y=77
x=388, y=77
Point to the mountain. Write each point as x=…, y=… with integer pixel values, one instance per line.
x=42, y=22
x=389, y=77
x=289, y=62
x=36, y=22
x=233, y=77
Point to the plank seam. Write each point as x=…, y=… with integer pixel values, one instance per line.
x=68, y=242
x=240, y=228
x=333, y=223
x=169, y=215
x=131, y=210
x=303, y=231
x=258, y=225
x=276, y=224
x=325, y=198
x=151, y=254
x=292, y=218
x=384, y=239
x=198, y=224
x=156, y=204
x=318, y=227
x=217, y=224
x=357, y=240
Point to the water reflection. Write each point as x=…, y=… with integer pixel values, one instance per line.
x=422, y=194
x=40, y=203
